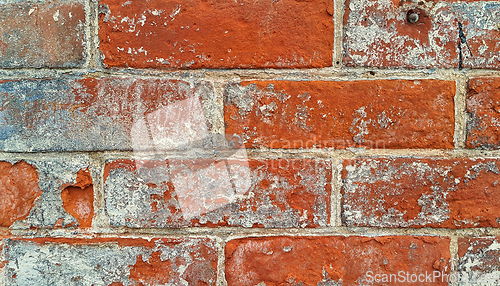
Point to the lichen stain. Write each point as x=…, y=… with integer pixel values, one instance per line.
x=78, y=200
x=19, y=188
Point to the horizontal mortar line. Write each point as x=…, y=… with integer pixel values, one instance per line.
x=261, y=154
x=343, y=74
x=239, y=232
x=343, y=71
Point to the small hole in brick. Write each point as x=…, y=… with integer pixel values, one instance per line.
x=372, y=73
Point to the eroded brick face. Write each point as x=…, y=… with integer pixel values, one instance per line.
x=323, y=114
x=483, y=113
x=108, y=261
x=378, y=34
x=18, y=191
x=67, y=114
x=283, y=193
x=408, y=192
x=333, y=260
x=479, y=260
x=41, y=34
x=216, y=34
x=41, y=193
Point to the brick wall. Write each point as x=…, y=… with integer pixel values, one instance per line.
x=270, y=142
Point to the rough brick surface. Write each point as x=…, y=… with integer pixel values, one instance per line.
x=41, y=33
x=216, y=34
x=374, y=114
x=378, y=34
x=158, y=261
x=33, y=196
x=483, y=110
x=18, y=191
x=249, y=193
x=479, y=260
x=103, y=114
x=78, y=199
x=333, y=260
x=407, y=192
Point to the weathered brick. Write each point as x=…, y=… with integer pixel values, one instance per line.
x=479, y=261
x=483, y=110
x=104, y=114
x=233, y=192
x=110, y=261
x=216, y=34
x=41, y=33
x=319, y=114
x=410, y=192
x=33, y=193
x=78, y=199
x=18, y=191
x=335, y=260
x=378, y=34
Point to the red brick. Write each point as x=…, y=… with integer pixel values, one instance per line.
x=378, y=34
x=278, y=193
x=115, y=261
x=479, y=260
x=216, y=34
x=44, y=34
x=19, y=189
x=67, y=114
x=410, y=192
x=78, y=200
x=334, y=260
x=483, y=108
x=373, y=114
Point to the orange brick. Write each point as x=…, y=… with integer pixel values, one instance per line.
x=448, y=34
x=483, y=108
x=193, y=34
x=18, y=191
x=319, y=114
x=336, y=260
x=408, y=192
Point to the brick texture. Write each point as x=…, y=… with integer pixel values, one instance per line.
x=478, y=260
x=249, y=142
x=46, y=193
x=448, y=34
x=321, y=114
x=249, y=193
x=18, y=191
x=334, y=260
x=483, y=108
x=41, y=34
x=102, y=114
x=108, y=261
x=216, y=34
x=407, y=192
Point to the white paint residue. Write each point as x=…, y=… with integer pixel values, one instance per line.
x=32, y=10
x=56, y=16
x=175, y=12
